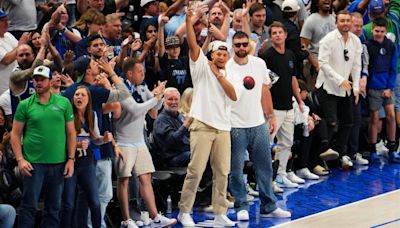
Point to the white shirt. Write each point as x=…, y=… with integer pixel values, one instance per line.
x=210, y=104
x=333, y=67
x=7, y=44
x=247, y=111
x=5, y=102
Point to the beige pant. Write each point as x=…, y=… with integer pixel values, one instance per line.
x=207, y=142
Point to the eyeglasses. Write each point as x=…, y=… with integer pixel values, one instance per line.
x=245, y=44
x=346, y=57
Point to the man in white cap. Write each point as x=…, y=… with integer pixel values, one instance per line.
x=46, y=122
x=213, y=94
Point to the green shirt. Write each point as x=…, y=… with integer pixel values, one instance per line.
x=44, y=138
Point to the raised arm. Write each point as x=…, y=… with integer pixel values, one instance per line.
x=194, y=49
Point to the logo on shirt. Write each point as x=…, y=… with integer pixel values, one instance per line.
x=382, y=51
x=291, y=64
x=55, y=108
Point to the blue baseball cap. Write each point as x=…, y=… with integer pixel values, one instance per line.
x=80, y=66
x=3, y=14
x=376, y=7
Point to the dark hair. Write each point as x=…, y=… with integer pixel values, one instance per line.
x=129, y=64
x=380, y=21
x=302, y=85
x=239, y=35
x=342, y=12
x=276, y=24
x=4, y=128
x=88, y=114
x=256, y=7
x=143, y=34
x=92, y=38
x=288, y=14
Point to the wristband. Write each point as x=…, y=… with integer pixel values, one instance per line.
x=112, y=75
x=63, y=30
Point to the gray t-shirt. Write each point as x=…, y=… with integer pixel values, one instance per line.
x=315, y=28
x=21, y=14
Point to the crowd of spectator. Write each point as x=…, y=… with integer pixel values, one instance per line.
x=93, y=91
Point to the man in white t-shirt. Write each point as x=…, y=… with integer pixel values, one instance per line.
x=249, y=131
x=213, y=94
x=8, y=51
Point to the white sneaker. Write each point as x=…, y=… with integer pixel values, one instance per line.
x=144, y=216
x=284, y=182
x=139, y=223
x=346, y=162
x=242, y=215
x=306, y=174
x=295, y=179
x=186, y=220
x=359, y=160
x=128, y=224
x=162, y=221
x=223, y=220
x=380, y=147
x=276, y=188
x=277, y=213
x=251, y=191
x=384, y=154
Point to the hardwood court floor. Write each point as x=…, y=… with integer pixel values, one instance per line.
x=332, y=201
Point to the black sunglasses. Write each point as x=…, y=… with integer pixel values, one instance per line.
x=245, y=44
x=346, y=57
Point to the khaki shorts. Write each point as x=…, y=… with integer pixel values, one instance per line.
x=137, y=160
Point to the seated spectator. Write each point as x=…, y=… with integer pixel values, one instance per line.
x=186, y=101
x=171, y=133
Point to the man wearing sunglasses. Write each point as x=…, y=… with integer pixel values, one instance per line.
x=338, y=81
x=249, y=129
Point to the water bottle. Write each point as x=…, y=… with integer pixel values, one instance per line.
x=169, y=205
x=305, y=130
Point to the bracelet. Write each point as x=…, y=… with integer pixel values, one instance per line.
x=71, y=158
x=63, y=30
x=112, y=75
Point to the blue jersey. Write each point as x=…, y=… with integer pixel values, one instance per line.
x=99, y=96
x=16, y=98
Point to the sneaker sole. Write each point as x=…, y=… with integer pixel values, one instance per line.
x=328, y=156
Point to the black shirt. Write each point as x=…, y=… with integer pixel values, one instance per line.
x=176, y=72
x=284, y=66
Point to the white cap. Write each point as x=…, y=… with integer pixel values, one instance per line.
x=218, y=45
x=290, y=5
x=144, y=2
x=42, y=71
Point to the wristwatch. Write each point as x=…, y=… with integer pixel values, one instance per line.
x=71, y=158
x=63, y=30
